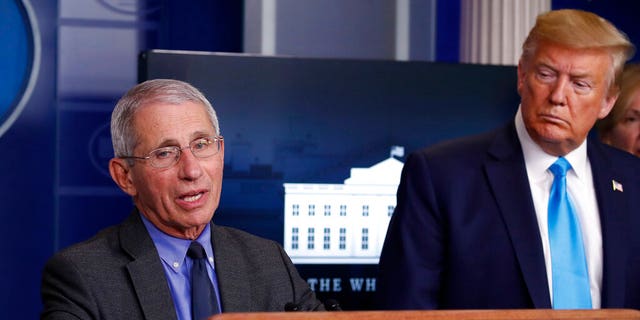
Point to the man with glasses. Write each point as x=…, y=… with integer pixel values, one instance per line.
x=167, y=260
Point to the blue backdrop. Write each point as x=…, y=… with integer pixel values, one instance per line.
x=54, y=189
x=27, y=164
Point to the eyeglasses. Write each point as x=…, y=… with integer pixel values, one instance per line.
x=168, y=156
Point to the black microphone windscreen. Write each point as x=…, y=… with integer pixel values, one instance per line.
x=290, y=306
x=332, y=305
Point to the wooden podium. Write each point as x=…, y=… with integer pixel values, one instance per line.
x=528, y=314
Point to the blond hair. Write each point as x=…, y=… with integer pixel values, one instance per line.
x=579, y=29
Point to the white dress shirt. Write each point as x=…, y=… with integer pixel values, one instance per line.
x=582, y=195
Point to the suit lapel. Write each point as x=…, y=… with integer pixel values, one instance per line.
x=146, y=271
x=235, y=290
x=612, y=205
x=507, y=177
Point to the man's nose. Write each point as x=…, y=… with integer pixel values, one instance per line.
x=558, y=95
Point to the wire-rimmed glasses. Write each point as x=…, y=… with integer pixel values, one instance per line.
x=168, y=156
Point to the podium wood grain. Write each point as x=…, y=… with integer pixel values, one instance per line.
x=529, y=314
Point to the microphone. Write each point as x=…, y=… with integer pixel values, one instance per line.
x=291, y=306
x=332, y=305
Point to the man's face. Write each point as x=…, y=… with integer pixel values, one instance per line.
x=626, y=133
x=181, y=199
x=563, y=91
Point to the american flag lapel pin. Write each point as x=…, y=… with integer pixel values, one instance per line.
x=617, y=186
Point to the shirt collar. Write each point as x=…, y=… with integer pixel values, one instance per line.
x=173, y=250
x=537, y=161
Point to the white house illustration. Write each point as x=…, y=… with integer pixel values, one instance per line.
x=342, y=223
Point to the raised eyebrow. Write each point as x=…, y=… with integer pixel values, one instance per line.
x=202, y=138
x=202, y=134
x=174, y=143
x=167, y=143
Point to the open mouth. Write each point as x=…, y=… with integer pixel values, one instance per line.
x=192, y=198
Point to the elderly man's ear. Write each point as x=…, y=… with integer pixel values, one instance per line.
x=121, y=174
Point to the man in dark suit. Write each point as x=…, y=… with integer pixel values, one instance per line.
x=169, y=156
x=473, y=224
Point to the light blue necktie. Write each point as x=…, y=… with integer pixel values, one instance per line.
x=568, y=263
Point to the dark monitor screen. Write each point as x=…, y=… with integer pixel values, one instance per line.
x=314, y=147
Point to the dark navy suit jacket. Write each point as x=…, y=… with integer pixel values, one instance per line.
x=464, y=234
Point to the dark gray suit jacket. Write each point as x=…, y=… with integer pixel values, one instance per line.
x=118, y=275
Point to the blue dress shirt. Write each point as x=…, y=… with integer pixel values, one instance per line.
x=177, y=266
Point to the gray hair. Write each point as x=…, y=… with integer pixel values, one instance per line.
x=169, y=91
